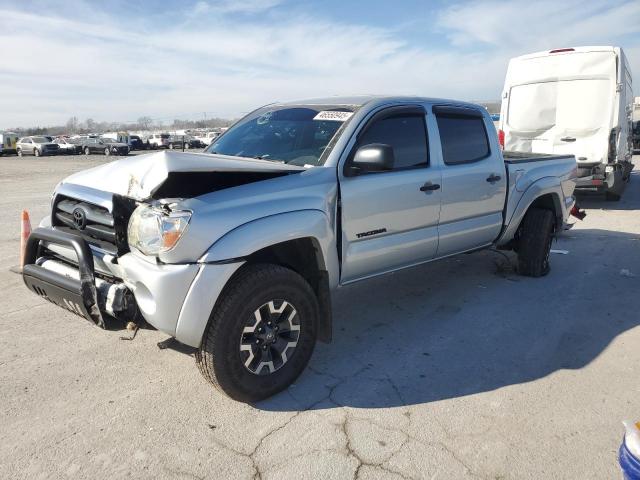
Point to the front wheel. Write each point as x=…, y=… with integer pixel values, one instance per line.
x=87, y=151
x=107, y=152
x=534, y=243
x=261, y=333
x=19, y=152
x=36, y=152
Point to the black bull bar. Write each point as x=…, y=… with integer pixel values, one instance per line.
x=76, y=295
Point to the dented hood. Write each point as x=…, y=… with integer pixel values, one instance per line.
x=140, y=176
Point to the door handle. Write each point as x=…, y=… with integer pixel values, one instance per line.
x=428, y=187
x=493, y=178
x=568, y=139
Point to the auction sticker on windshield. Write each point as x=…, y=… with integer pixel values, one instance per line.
x=333, y=115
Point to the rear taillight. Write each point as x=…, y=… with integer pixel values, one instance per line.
x=501, y=138
x=560, y=50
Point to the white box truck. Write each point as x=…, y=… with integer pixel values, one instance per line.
x=573, y=101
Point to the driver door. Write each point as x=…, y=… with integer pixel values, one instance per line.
x=390, y=218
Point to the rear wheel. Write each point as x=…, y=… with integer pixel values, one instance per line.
x=534, y=243
x=19, y=152
x=261, y=333
x=36, y=152
x=107, y=152
x=87, y=151
x=187, y=146
x=171, y=146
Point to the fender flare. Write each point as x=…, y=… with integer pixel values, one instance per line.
x=543, y=186
x=226, y=256
x=271, y=230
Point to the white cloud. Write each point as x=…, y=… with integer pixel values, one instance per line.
x=228, y=57
x=235, y=6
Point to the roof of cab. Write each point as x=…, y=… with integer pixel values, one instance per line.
x=361, y=100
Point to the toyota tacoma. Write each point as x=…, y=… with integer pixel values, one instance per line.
x=236, y=251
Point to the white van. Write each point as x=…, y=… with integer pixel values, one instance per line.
x=573, y=101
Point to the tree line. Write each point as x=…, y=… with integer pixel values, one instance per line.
x=75, y=126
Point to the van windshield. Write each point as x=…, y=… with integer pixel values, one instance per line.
x=578, y=105
x=297, y=135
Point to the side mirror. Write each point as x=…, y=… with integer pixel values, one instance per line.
x=375, y=157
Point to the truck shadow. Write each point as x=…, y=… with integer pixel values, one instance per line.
x=454, y=328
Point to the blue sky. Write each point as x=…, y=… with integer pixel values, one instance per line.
x=119, y=60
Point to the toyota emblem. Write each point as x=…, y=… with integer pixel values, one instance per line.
x=79, y=218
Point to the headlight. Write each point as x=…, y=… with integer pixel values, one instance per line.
x=153, y=231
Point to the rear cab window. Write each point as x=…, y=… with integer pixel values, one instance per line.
x=463, y=135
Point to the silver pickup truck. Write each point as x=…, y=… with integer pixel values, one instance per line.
x=236, y=251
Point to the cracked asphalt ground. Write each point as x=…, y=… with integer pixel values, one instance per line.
x=458, y=369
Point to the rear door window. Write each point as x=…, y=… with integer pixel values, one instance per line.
x=463, y=137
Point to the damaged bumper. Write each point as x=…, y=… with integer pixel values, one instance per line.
x=71, y=281
x=176, y=299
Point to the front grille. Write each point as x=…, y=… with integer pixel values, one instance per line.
x=89, y=220
x=99, y=226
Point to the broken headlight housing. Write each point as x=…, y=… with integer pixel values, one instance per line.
x=155, y=230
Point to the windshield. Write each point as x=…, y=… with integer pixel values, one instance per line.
x=573, y=104
x=40, y=139
x=298, y=135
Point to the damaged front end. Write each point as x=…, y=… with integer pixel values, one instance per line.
x=101, y=255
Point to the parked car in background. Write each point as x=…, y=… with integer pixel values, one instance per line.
x=158, y=140
x=106, y=146
x=136, y=143
x=636, y=136
x=68, y=146
x=195, y=143
x=8, y=142
x=120, y=137
x=36, y=145
x=573, y=101
x=208, y=137
x=176, y=142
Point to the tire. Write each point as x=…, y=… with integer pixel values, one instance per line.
x=229, y=356
x=171, y=146
x=534, y=243
x=187, y=146
x=36, y=152
x=19, y=152
x=87, y=151
x=107, y=152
